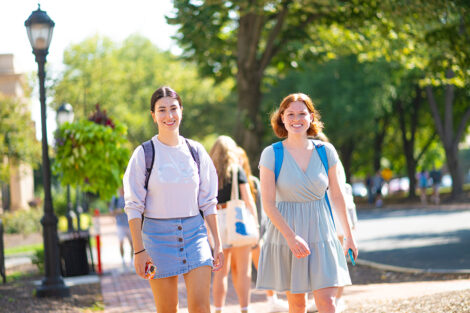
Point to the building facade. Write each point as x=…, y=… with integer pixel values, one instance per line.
x=21, y=184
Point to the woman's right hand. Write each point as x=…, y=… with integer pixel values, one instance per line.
x=140, y=260
x=298, y=246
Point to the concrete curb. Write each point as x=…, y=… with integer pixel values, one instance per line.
x=400, y=269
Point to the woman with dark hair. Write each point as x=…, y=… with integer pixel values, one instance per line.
x=302, y=252
x=180, y=190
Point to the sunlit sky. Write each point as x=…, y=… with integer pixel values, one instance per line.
x=75, y=21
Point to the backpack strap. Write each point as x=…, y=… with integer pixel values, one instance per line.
x=278, y=158
x=324, y=159
x=194, y=154
x=149, y=152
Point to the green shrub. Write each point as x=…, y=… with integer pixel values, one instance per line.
x=22, y=221
x=38, y=259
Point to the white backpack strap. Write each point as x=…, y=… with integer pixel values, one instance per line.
x=234, y=195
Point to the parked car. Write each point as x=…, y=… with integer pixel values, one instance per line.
x=359, y=189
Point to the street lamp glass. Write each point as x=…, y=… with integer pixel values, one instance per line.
x=65, y=114
x=39, y=27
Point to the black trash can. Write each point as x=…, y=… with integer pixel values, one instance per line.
x=73, y=253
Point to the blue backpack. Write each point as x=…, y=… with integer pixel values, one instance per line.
x=279, y=157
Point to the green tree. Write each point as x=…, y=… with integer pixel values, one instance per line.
x=122, y=77
x=416, y=132
x=17, y=137
x=247, y=38
x=433, y=36
x=92, y=154
x=350, y=97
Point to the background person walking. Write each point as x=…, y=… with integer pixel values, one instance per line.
x=302, y=252
x=116, y=207
x=423, y=185
x=224, y=154
x=180, y=188
x=436, y=177
x=274, y=303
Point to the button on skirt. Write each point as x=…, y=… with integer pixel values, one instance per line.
x=176, y=245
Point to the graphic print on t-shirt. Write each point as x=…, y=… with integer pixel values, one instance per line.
x=173, y=173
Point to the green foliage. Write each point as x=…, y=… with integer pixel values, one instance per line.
x=38, y=259
x=349, y=95
x=91, y=156
x=22, y=221
x=17, y=137
x=94, y=67
x=23, y=249
x=278, y=32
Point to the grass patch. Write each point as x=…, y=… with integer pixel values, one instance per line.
x=23, y=249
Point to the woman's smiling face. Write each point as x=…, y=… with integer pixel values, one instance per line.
x=168, y=114
x=297, y=118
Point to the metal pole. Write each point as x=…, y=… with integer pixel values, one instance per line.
x=2, y=255
x=77, y=207
x=69, y=211
x=52, y=284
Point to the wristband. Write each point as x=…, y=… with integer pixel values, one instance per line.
x=135, y=253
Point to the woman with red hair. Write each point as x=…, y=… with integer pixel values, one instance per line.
x=302, y=252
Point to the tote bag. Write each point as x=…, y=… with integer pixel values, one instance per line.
x=240, y=223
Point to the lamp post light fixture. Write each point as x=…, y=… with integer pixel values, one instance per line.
x=65, y=115
x=39, y=27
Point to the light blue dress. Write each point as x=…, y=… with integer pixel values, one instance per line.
x=300, y=200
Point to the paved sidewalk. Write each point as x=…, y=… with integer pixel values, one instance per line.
x=124, y=291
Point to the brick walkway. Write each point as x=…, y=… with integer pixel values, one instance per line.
x=124, y=291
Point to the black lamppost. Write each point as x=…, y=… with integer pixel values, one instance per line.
x=39, y=27
x=65, y=115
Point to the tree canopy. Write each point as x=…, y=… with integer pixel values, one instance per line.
x=121, y=77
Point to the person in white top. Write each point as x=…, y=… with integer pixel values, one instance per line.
x=172, y=235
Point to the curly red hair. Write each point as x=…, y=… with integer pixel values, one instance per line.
x=280, y=130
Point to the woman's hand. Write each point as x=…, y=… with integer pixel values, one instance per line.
x=298, y=246
x=350, y=243
x=218, y=258
x=140, y=260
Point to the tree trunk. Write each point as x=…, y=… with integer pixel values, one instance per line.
x=409, y=141
x=346, y=151
x=381, y=127
x=452, y=157
x=249, y=129
x=445, y=131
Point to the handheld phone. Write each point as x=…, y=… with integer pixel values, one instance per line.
x=351, y=256
x=150, y=270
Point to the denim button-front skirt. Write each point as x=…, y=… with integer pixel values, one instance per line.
x=177, y=245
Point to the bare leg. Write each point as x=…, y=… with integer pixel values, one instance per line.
x=241, y=273
x=219, y=283
x=325, y=299
x=198, y=282
x=297, y=302
x=165, y=294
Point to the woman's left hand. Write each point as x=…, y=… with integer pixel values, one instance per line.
x=350, y=243
x=218, y=258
